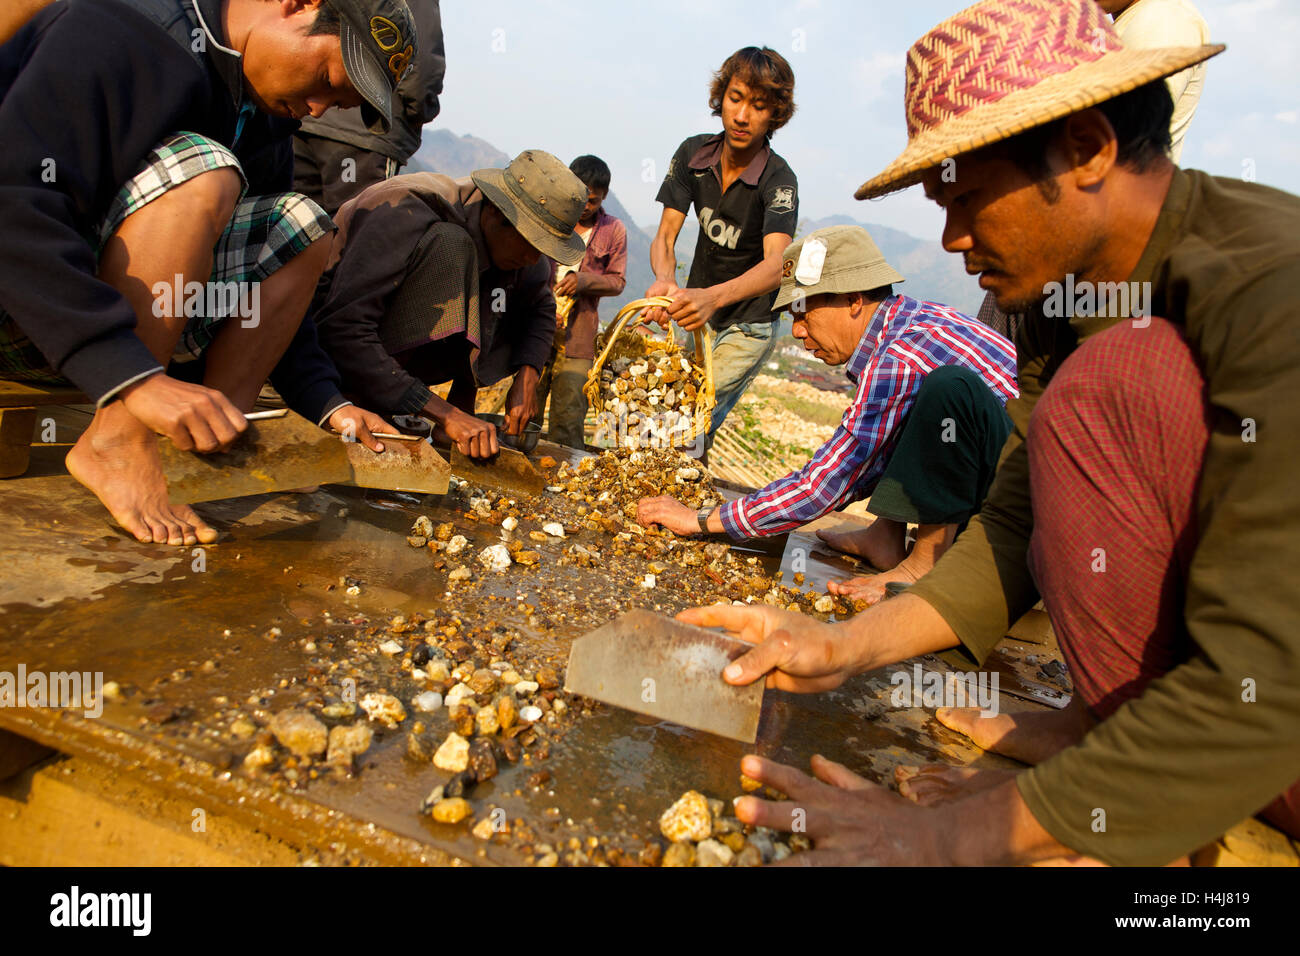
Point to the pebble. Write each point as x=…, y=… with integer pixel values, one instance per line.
x=525, y=687
x=428, y=702
x=749, y=856
x=487, y=721
x=113, y=691
x=260, y=756
x=482, y=681
x=495, y=557
x=300, y=733
x=338, y=711
x=510, y=523
x=779, y=852
x=679, y=854
x=390, y=648
x=749, y=784
x=482, y=762
x=459, y=574
x=713, y=853
x=437, y=671
x=530, y=714
x=385, y=708
x=416, y=540
x=422, y=527
x=554, y=529
x=824, y=604
x=243, y=728
x=687, y=819
x=735, y=841
x=763, y=844
x=457, y=544
x=649, y=581
x=451, y=810
x=453, y=755
x=547, y=679
x=349, y=741
x=484, y=829
x=528, y=558
x=550, y=859
x=510, y=676
x=457, y=694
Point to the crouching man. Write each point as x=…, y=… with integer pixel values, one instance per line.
x=921, y=438
x=435, y=280
x=173, y=178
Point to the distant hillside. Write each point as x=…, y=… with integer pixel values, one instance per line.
x=931, y=273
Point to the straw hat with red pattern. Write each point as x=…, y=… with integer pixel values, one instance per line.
x=1004, y=66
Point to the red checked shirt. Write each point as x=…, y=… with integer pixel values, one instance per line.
x=903, y=343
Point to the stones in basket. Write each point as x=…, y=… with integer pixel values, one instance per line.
x=651, y=400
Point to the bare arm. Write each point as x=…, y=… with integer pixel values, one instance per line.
x=694, y=307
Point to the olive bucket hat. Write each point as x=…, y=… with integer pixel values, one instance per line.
x=542, y=199
x=834, y=259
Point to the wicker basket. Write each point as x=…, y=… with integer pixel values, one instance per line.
x=622, y=347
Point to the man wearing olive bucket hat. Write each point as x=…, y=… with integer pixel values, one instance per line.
x=434, y=279
x=1150, y=500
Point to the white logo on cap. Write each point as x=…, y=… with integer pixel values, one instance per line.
x=811, y=259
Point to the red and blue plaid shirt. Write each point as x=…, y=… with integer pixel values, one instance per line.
x=904, y=342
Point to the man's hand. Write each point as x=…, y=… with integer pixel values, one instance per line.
x=474, y=437
x=797, y=653
x=195, y=418
x=522, y=399
x=692, y=308
x=667, y=513
x=356, y=424
x=655, y=313
x=851, y=821
x=571, y=285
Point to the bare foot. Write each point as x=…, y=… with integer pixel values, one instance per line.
x=938, y=783
x=117, y=458
x=1029, y=736
x=882, y=544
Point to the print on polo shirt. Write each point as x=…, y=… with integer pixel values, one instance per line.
x=720, y=231
x=782, y=199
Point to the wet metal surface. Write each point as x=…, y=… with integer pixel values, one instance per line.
x=191, y=630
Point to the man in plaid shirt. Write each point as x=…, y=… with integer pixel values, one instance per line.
x=921, y=438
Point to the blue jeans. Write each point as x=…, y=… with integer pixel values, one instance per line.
x=739, y=353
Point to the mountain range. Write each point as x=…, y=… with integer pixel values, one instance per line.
x=931, y=272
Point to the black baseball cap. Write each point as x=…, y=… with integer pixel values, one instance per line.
x=379, y=43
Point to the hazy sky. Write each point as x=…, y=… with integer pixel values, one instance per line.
x=628, y=81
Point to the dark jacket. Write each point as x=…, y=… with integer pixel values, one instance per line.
x=414, y=103
x=87, y=89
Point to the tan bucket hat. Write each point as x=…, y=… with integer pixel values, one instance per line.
x=1004, y=66
x=542, y=199
x=834, y=259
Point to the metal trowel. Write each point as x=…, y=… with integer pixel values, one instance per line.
x=660, y=667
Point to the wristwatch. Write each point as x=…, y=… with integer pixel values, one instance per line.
x=703, y=516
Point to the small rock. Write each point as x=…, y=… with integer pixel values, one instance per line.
x=243, y=728
x=510, y=523
x=259, y=757
x=749, y=784
x=460, y=784
x=749, y=856
x=482, y=762
x=451, y=810
x=444, y=531
x=523, y=688
x=339, y=710
x=482, y=681
x=549, y=859
x=530, y=714
x=420, y=656
x=679, y=854
x=484, y=829
x=453, y=755
x=422, y=527
x=113, y=691
x=507, y=712
x=687, y=819
x=457, y=544
x=713, y=853
x=300, y=733
x=427, y=702
x=779, y=852
x=390, y=648
x=527, y=558
x=734, y=840
x=554, y=529
x=437, y=671
x=510, y=676
x=459, y=574
x=435, y=795
x=417, y=540
x=547, y=679
x=824, y=604
x=487, y=721
x=457, y=694
x=347, y=742
x=495, y=558
x=385, y=708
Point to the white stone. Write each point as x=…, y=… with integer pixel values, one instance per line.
x=453, y=755
x=391, y=647
x=495, y=558
x=554, y=529
x=532, y=713
x=648, y=581
x=428, y=702
x=457, y=694
x=457, y=544
x=523, y=688
x=824, y=604
x=510, y=523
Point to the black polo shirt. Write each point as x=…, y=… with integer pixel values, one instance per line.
x=763, y=199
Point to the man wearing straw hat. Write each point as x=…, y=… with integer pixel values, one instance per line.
x=1150, y=499
x=921, y=437
x=434, y=279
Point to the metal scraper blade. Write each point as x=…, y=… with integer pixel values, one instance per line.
x=660, y=667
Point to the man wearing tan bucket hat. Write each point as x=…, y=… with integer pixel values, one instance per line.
x=921, y=437
x=1150, y=500
x=434, y=279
